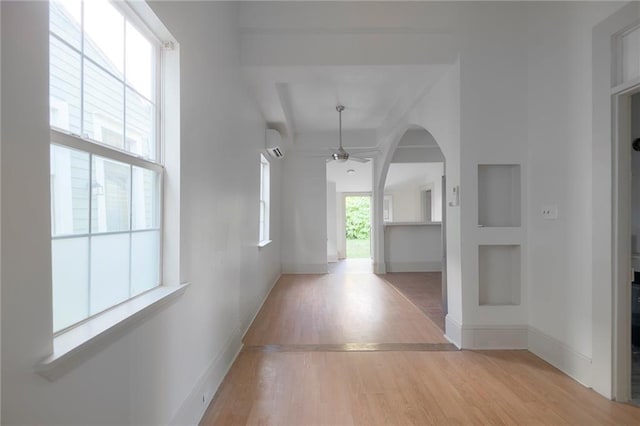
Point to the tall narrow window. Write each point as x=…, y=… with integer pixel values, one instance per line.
x=264, y=200
x=106, y=174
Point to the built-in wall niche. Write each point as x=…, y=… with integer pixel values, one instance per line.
x=499, y=275
x=499, y=195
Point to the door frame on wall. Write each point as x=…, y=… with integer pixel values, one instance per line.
x=609, y=367
x=622, y=196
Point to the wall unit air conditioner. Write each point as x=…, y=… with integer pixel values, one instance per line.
x=274, y=143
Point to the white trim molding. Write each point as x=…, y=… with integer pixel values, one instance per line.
x=428, y=266
x=494, y=337
x=73, y=347
x=195, y=405
x=453, y=331
x=564, y=358
x=379, y=267
x=486, y=336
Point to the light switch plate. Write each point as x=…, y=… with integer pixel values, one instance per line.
x=550, y=212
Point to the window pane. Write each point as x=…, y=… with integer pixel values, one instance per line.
x=69, y=191
x=64, y=20
x=140, y=63
x=145, y=261
x=630, y=55
x=103, y=106
x=70, y=258
x=140, y=126
x=64, y=87
x=104, y=35
x=146, y=199
x=109, y=271
x=110, y=195
x=262, y=221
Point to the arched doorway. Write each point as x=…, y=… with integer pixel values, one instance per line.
x=413, y=243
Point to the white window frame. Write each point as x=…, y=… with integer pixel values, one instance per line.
x=96, y=148
x=264, y=215
x=75, y=344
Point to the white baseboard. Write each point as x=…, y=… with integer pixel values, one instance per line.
x=453, y=331
x=561, y=356
x=551, y=350
x=486, y=336
x=434, y=266
x=264, y=299
x=195, y=404
x=302, y=268
x=379, y=268
x=494, y=337
x=332, y=258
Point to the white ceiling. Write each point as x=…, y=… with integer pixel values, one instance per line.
x=300, y=59
x=358, y=182
x=304, y=97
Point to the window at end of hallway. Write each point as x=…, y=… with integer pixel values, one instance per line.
x=263, y=238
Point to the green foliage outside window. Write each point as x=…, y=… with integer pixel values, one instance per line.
x=358, y=217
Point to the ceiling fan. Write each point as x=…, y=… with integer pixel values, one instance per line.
x=340, y=154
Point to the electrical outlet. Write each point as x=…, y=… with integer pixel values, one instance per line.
x=550, y=212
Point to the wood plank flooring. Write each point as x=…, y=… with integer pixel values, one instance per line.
x=347, y=349
x=339, y=308
x=423, y=289
x=406, y=388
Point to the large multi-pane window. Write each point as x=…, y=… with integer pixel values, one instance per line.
x=264, y=199
x=106, y=175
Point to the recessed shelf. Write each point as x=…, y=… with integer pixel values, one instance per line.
x=499, y=195
x=499, y=275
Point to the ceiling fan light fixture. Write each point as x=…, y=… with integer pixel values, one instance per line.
x=341, y=155
x=351, y=172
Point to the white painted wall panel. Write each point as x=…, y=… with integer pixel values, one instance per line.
x=162, y=367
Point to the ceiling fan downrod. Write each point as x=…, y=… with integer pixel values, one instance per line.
x=341, y=155
x=340, y=108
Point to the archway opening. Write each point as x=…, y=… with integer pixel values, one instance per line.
x=414, y=222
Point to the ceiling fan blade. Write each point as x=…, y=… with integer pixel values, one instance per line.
x=359, y=159
x=361, y=150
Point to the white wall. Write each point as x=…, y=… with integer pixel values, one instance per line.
x=559, y=152
x=438, y=111
x=332, y=220
x=406, y=204
x=404, y=182
x=413, y=248
x=341, y=239
x=304, y=210
x=159, y=370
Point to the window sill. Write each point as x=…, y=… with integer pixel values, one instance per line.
x=264, y=243
x=74, y=346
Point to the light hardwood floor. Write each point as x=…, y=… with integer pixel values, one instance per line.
x=343, y=349
x=339, y=308
x=423, y=289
